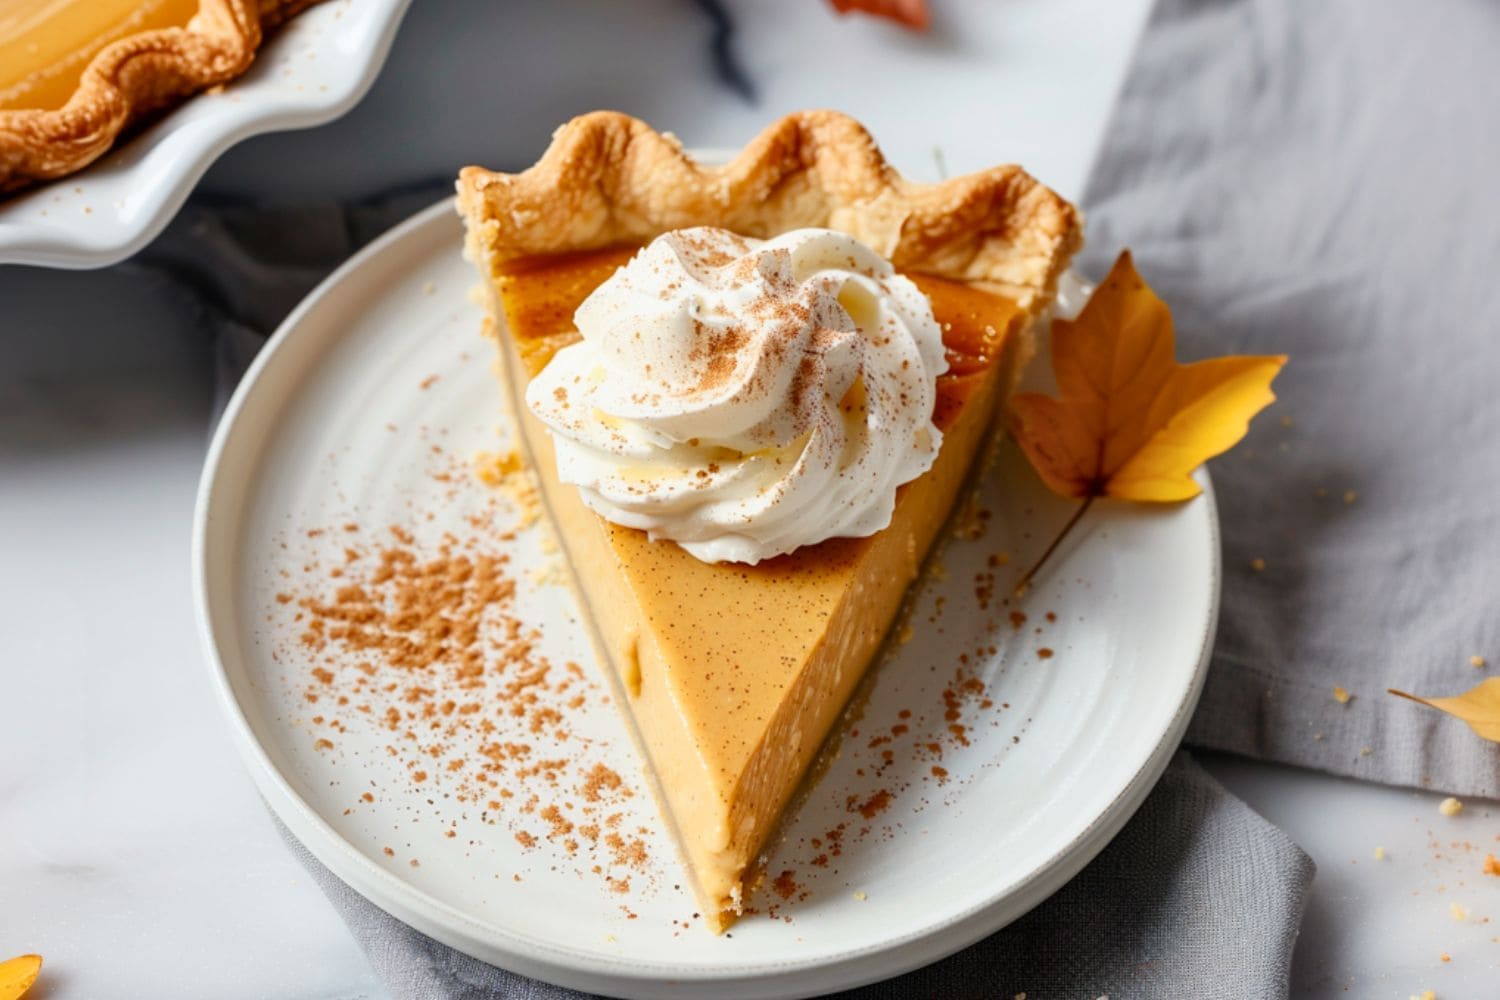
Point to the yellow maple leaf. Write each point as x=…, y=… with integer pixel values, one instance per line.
x=1129, y=421
x=1479, y=707
x=17, y=975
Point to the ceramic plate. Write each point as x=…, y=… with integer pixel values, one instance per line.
x=311, y=70
x=1001, y=746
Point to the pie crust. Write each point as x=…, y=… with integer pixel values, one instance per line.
x=130, y=78
x=610, y=179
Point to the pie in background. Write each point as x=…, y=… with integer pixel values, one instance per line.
x=75, y=74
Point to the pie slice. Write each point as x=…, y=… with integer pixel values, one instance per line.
x=75, y=73
x=733, y=675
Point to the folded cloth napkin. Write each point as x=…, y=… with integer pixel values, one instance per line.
x=1319, y=179
x=1195, y=885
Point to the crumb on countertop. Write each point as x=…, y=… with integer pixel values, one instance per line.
x=1450, y=806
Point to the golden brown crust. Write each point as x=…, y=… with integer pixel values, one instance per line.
x=130, y=78
x=610, y=179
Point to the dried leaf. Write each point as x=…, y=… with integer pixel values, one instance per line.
x=1479, y=707
x=1129, y=421
x=17, y=975
x=912, y=13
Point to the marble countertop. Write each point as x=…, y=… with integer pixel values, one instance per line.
x=134, y=852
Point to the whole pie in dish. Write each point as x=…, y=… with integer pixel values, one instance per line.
x=733, y=672
x=75, y=73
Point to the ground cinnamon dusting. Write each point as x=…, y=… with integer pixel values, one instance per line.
x=906, y=760
x=423, y=642
x=785, y=885
x=873, y=806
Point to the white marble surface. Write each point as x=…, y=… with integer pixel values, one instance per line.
x=134, y=853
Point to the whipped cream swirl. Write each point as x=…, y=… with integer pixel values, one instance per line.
x=746, y=397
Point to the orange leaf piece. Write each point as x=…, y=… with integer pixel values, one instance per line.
x=1479, y=707
x=912, y=13
x=1129, y=421
x=17, y=975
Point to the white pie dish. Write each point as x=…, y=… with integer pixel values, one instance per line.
x=309, y=71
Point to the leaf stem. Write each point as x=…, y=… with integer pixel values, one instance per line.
x=1031, y=573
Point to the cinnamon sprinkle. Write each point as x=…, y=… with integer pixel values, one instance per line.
x=785, y=885
x=422, y=642
x=903, y=762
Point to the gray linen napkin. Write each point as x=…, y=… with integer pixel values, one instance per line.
x=1319, y=179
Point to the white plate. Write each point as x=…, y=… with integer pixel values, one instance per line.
x=333, y=425
x=311, y=70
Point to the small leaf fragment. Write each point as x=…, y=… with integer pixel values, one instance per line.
x=1479, y=707
x=911, y=13
x=17, y=975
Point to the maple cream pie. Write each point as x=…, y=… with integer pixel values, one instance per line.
x=751, y=394
x=74, y=74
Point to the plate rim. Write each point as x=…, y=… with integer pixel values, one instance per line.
x=553, y=963
x=184, y=157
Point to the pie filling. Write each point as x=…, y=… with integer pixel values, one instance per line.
x=735, y=673
x=45, y=45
